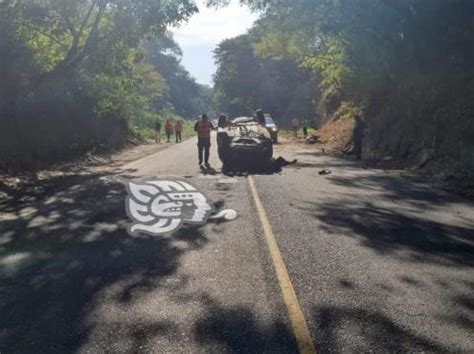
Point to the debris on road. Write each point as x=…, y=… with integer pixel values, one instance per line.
x=325, y=172
x=224, y=215
x=208, y=170
x=311, y=140
x=271, y=167
x=281, y=162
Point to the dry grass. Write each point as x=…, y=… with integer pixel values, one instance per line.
x=336, y=134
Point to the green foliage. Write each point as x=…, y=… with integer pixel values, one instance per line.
x=188, y=98
x=63, y=34
x=408, y=62
x=245, y=82
x=75, y=75
x=347, y=110
x=142, y=134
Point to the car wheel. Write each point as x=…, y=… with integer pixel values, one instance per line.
x=269, y=151
x=223, y=147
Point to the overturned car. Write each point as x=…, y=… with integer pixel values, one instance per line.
x=244, y=142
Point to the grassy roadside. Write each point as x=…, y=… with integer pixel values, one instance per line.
x=144, y=134
x=188, y=129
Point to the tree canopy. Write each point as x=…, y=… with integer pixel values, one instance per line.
x=245, y=81
x=78, y=74
x=408, y=63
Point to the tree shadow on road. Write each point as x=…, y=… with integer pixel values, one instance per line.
x=60, y=249
x=404, y=188
x=239, y=331
x=70, y=275
x=399, y=219
x=459, y=296
x=350, y=329
x=388, y=231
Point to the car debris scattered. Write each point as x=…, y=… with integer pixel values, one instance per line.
x=311, y=140
x=325, y=172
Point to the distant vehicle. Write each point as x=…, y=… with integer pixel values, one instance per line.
x=272, y=127
x=244, y=142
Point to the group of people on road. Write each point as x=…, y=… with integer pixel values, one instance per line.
x=296, y=125
x=203, y=129
x=204, y=126
x=170, y=128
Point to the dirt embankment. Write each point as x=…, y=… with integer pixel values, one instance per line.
x=336, y=135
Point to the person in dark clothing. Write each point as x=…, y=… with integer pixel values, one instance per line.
x=203, y=128
x=157, y=131
x=305, y=127
x=223, y=121
x=260, y=116
x=358, y=136
x=295, y=125
x=178, y=129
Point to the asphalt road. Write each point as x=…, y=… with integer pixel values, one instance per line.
x=378, y=263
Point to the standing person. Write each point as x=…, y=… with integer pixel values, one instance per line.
x=168, y=130
x=178, y=128
x=305, y=127
x=295, y=125
x=158, y=131
x=223, y=121
x=260, y=117
x=358, y=136
x=203, y=128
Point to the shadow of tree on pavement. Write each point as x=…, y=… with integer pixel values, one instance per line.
x=70, y=275
x=350, y=329
x=388, y=231
x=239, y=331
x=60, y=249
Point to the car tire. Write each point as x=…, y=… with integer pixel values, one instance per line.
x=223, y=147
x=269, y=153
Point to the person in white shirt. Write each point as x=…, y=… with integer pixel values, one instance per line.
x=295, y=125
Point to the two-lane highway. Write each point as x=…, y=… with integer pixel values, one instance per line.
x=354, y=261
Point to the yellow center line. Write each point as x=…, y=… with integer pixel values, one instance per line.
x=298, y=322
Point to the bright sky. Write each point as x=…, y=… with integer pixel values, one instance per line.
x=200, y=35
